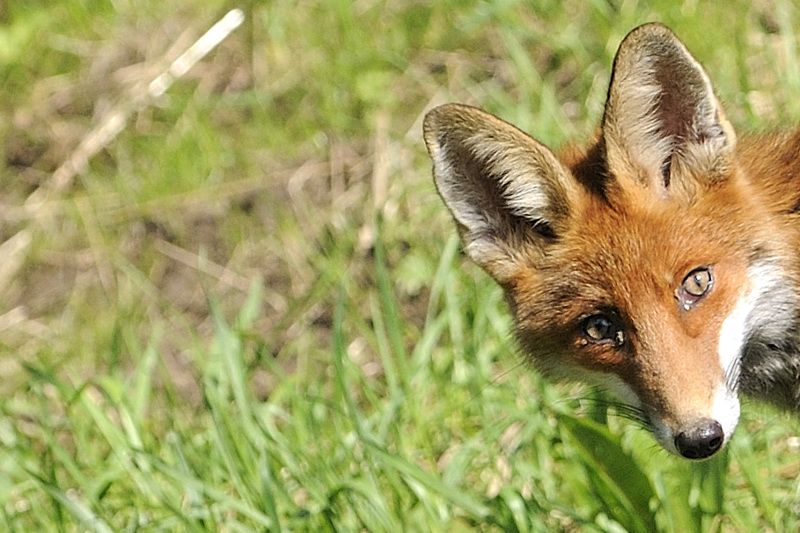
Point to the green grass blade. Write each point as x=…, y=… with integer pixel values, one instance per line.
x=607, y=461
x=79, y=510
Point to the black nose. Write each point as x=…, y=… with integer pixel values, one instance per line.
x=701, y=440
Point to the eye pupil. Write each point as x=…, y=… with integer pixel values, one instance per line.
x=600, y=328
x=697, y=282
x=695, y=285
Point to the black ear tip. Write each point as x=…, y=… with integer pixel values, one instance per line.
x=651, y=29
x=433, y=118
x=651, y=39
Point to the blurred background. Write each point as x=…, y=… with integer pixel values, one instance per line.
x=247, y=310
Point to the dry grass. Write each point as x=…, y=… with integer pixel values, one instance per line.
x=281, y=177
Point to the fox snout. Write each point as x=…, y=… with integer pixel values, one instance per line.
x=697, y=436
x=700, y=440
x=690, y=403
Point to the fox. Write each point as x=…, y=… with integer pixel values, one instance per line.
x=660, y=260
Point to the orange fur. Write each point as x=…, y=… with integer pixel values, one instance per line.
x=659, y=260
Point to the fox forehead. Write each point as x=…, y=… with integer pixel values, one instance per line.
x=634, y=247
x=630, y=260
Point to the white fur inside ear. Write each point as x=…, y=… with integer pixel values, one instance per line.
x=456, y=194
x=638, y=134
x=522, y=185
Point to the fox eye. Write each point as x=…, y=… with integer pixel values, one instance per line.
x=601, y=328
x=695, y=285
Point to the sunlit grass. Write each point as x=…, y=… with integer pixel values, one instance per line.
x=251, y=313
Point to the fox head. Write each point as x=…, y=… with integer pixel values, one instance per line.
x=644, y=262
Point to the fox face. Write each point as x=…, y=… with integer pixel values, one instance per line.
x=657, y=262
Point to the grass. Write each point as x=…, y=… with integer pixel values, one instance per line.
x=250, y=312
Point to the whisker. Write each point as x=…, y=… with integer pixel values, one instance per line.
x=621, y=409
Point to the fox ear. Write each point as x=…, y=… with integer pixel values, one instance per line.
x=662, y=114
x=507, y=192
